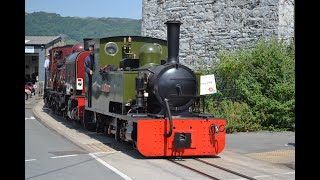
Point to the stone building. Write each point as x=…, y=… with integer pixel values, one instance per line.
x=209, y=25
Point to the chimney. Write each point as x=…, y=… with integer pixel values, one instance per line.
x=173, y=32
x=86, y=42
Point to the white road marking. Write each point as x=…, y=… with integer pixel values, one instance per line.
x=64, y=156
x=73, y=155
x=30, y=160
x=110, y=167
x=98, y=159
x=103, y=152
x=29, y=118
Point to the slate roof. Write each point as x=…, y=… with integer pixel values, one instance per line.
x=40, y=40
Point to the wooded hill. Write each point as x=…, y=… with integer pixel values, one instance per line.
x=74, y=29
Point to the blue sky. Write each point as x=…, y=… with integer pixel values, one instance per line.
x=88, y=8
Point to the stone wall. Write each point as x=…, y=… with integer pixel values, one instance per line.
x=209, y=25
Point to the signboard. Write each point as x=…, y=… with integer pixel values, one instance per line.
x=207, y=84
x=29, y=49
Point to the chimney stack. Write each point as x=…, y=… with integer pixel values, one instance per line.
x=173, y=32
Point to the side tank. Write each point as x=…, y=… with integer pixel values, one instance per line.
x=117, y=60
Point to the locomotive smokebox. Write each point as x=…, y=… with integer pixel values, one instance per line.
x=173, y=32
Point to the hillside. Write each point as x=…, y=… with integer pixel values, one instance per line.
x=75, y=29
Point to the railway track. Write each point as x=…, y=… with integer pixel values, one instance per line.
x=193, y=164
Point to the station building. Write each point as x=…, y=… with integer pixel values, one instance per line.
x=36, y=47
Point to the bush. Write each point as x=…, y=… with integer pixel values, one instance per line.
x=238, y=115
x=263, y=84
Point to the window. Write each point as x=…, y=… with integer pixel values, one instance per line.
x=111, y=48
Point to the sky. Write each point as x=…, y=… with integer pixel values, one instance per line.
x=88, y=8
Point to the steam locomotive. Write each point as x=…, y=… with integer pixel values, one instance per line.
x=140, y=94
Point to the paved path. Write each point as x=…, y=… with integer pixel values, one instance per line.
x=273, y=147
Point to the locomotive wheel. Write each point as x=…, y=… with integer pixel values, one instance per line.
x=87, y=121
x=118, y=129
x=99, y=127
x=46, y=102
x=65, y=115
x=99, y=124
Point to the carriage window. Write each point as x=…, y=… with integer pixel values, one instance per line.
x=58, y=54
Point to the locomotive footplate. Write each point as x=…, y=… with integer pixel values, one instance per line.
x=182, y=140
